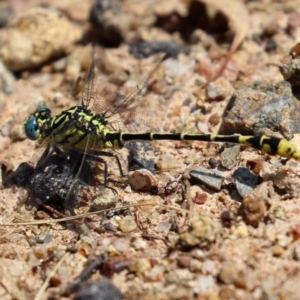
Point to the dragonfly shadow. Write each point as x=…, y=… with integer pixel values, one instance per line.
x=58, y=180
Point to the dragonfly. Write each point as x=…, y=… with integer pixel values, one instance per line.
x=89, y=128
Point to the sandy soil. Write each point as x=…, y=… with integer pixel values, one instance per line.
x=231, y=235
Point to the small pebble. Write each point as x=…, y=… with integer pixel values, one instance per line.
x=179, y=275
x=228, y=273
x=252, y=210
x=244, y=181
x=127, y=224
x=139, y=244
x=229, y=157
x=101, y=290
x=110, y=227
x=240, y=231
x=142, y=265
x=211, y=178
x=202, y=233
x=40, y=251
x=163, y=226
x=212, y=162
x=107, y=198
x=43, y=238
x=184, y=261
x=228, y=217
x=142, y=180
x=277, y=250
x=214, y=119
x=280, y=213
x=121, y=244
x=283, y=240
x=58, y=254
x=217, y=90
x=200, y=198
x=157, y=273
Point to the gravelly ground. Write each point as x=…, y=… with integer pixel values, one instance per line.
x=187, y=241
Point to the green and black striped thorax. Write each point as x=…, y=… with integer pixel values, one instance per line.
x=78, y=116
x=77, y=127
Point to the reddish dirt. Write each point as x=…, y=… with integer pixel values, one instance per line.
x=185, y=240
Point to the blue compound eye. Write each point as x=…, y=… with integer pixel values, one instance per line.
x=34, y=122
x=31, y=128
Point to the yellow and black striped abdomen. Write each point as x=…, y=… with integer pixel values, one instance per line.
x=270, y=145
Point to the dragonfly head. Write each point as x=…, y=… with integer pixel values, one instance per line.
x=34, y=122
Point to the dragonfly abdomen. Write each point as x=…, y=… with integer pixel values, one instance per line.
x=270, y=145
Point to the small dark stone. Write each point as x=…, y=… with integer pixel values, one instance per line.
x=270, y=45
x=212, y=162
x=245, y=181
x=146, y=49
x=228, y=217
x=102, y=290
x=43, y=238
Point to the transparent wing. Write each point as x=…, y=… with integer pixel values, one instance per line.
x=89, y=82
x=127, y=112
